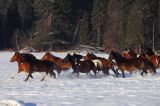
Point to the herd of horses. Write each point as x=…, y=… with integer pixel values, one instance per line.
x=146, y=62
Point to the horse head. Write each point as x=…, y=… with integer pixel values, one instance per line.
x=16, y=57
x=47, y=56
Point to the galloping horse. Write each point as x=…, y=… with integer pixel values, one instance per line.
x=101, y=63
x=85, y=67
x=28, y=63
x=90, y=56
x=60, y=62
x=73, y=59
x=155, y=59
x=129, y=54
x=38, y=66
x=147, y=63
x=22, y=57
x=125, y=64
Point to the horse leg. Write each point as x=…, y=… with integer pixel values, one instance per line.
x=144, y=71
x=106, y=71
x=14, y=76
x=123, y=73
x=29, y=74
x=43, y=77
x=58, y=69
x=95, y=71
x=51, y=73
x=77, y=74
x=115, y=72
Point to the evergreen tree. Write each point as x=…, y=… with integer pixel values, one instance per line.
x=99, y=20
x=85, y=30
x=112, y=27
x=61, y=24
x=134, y=30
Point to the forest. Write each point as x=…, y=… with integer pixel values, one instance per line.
x=67, y=24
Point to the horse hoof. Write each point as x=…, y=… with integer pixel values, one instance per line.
x=12, y=77
x=25, y=80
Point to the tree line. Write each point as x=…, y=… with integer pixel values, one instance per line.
x=65, y=24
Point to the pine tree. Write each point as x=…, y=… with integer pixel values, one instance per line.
x=61, y=24
x=84, y=32
x=134, y=30
x=99, y=20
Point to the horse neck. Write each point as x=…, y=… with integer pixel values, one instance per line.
x=150, y=52
x=54, y=58
x=118, y=57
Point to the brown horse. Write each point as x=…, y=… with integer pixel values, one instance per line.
x=147, y=63
x=60, y=62
x=85, y=67
x=90, y=56
x=22, y=57
x=101, y=63
x=38, y=66
x=129, y=54
x=28, y=63
x=155, y=59
x=129, y=65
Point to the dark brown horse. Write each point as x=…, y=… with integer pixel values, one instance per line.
x=38, y=66
x=85, y=67
x=129, y=65
x=60, y=62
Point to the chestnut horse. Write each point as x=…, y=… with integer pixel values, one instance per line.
x=22, y=57
x=28, y=63
x=60, y=62
x=129, y=54
x=129, y=65
x=38, y=66
x=101, y=63
x=155, y=59
x=148, y=64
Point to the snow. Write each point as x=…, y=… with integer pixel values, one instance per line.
x=68, y=90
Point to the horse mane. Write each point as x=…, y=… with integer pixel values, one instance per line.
x=150, y=52
x=92, y=54
x=132, y=53
x=117, y=56
x=28, y=57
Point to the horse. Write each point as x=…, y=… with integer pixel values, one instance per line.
x=60, y=62
x=155, y=59
x=38, y=66
x=22, y=57
x=85, y=67
x=101, y=63
x=147, y=63
x=28, y=63
x=73, y=59
x=129, y=54
x=90, y=56
x=125, y=64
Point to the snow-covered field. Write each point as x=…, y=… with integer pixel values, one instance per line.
x=68, y=90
